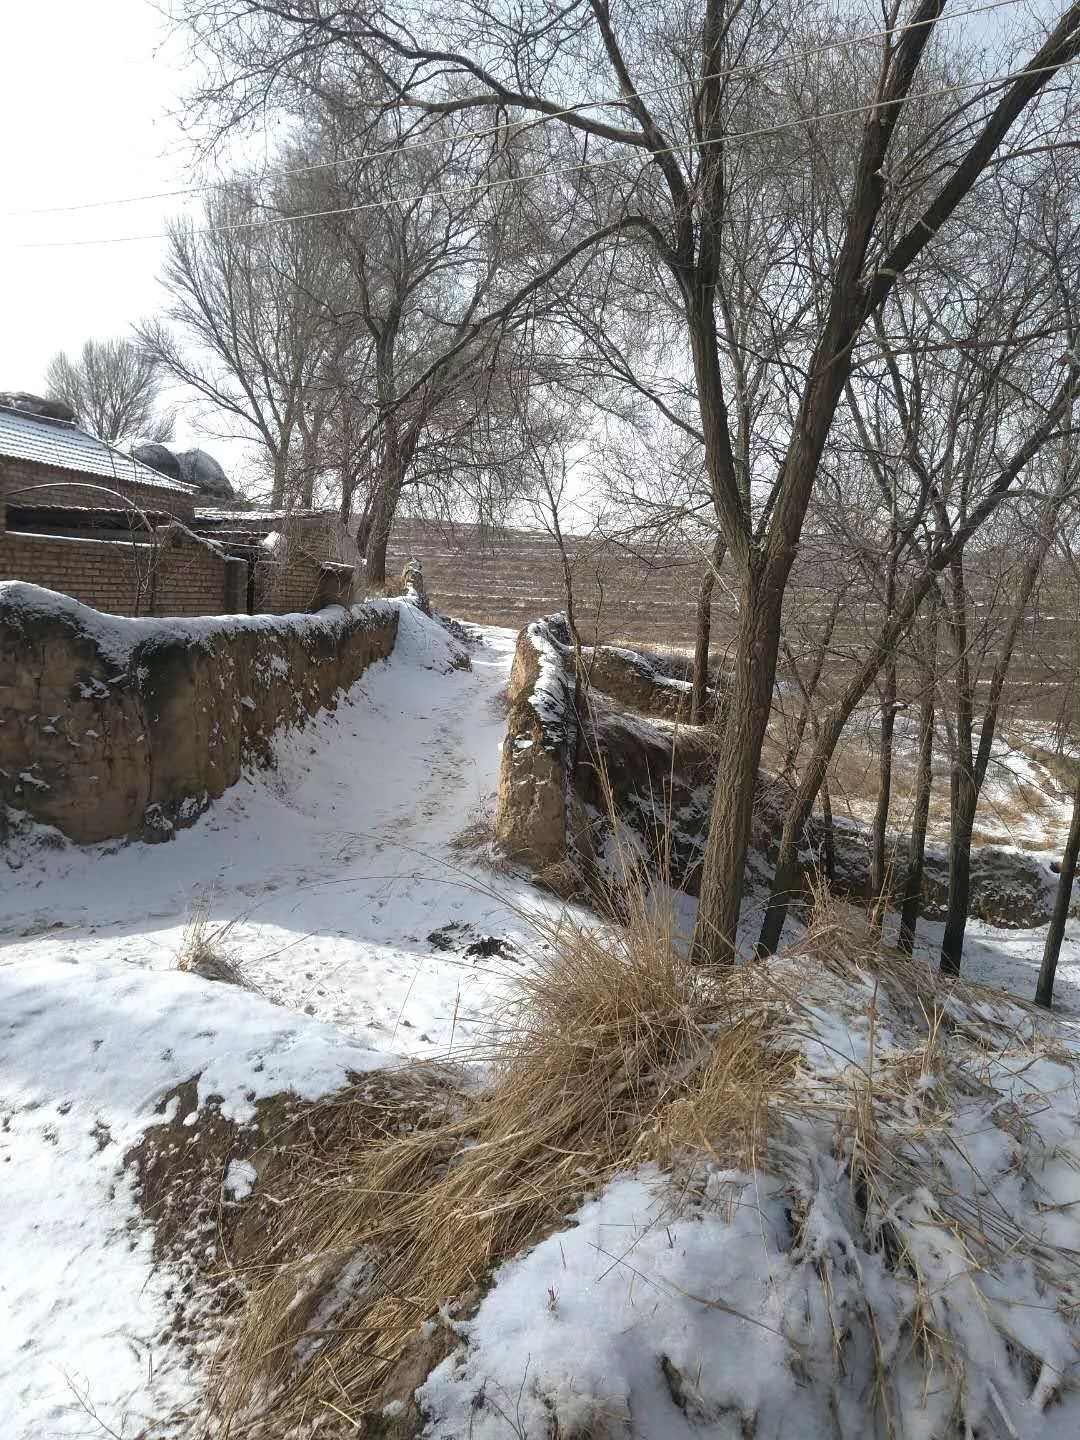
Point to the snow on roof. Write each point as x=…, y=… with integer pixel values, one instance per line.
x=55, y=442
x=210, y=513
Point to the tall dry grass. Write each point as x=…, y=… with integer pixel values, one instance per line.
x=618, y=1052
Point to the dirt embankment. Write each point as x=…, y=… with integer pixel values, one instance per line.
x=578, y=758
x=112, y=727
x=575, y=761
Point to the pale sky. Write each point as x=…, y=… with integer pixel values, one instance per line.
x=88, y=95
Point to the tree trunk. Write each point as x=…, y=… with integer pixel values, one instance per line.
x=828, y=844
x=281, y=470
x=786, y=874
x=380, y=524
x=397, y=454
x=879, y=864
x=748, y=706
x=810, y=688
x=700, y=689
x=924, y=776
x=964, y=798
x=963, y=785
x=814, y=772
x=1044, y=995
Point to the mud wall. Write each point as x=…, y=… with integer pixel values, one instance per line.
x=534, y=806
x=574, y=763
x=113, y=727
x=568, y=768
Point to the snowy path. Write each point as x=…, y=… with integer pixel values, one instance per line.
x=329, y=874
x=330, y=871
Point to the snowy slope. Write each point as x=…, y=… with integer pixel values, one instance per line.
x=90, y=1050
x=338, y=891
x=916, y=1278
x=329, y=873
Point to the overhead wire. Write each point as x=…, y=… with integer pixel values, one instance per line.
x=485, y=187
x=488, y=132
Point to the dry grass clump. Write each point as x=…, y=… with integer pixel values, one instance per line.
x=619, y=1053
x=606, y=1033
x=202, y=948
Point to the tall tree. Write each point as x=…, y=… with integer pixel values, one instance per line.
x=113, y=386
x=1044, y=994
x=243, y=328
x=878, y=168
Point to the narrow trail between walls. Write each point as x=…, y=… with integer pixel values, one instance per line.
x=328, y=875
x=333, y=885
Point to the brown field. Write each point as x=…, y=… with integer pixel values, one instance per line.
x=499, y=576
x=508, y=577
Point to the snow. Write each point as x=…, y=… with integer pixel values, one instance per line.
x=574, y=1331
x=334, y=885
x=90, y=1051
x=692, y=1305
x=240, y=1177
x=550, y=695
x=323, y=879
x=117, y=637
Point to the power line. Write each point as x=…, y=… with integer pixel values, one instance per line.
x=571, y=169
x=488, y=132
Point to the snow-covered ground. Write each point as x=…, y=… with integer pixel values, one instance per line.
x=931, y=1295
x=1025, y=802
x=333, y=882
x=327, y=878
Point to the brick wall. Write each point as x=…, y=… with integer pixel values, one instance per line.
x=292, y=586
x=176, y=574
x=183, y=576
x=191, y=577
x=103, y=573
x=64, y=489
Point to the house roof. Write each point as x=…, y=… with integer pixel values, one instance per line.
x=219, y=514
x=24, y=436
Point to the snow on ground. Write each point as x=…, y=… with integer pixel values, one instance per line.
x=332, y=882
x=89, y=1052
x=1025, y=803
x=1010, y=959
x=324, y=879
x=330, y=872
x=717, y=1304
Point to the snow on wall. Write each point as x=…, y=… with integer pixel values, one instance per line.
x=115, y=727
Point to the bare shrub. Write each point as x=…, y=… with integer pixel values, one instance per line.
x=202, y=948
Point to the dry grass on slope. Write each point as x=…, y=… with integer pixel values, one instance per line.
x=601, y=1044
x=620, y=1053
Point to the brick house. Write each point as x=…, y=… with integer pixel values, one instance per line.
x=80, y=516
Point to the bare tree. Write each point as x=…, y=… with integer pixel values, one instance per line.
x=113, y=387
x=428, y=239
x=1044, y=994
x=662, y=168
x=924, y=776
x=936, y=559
x=243, y=329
